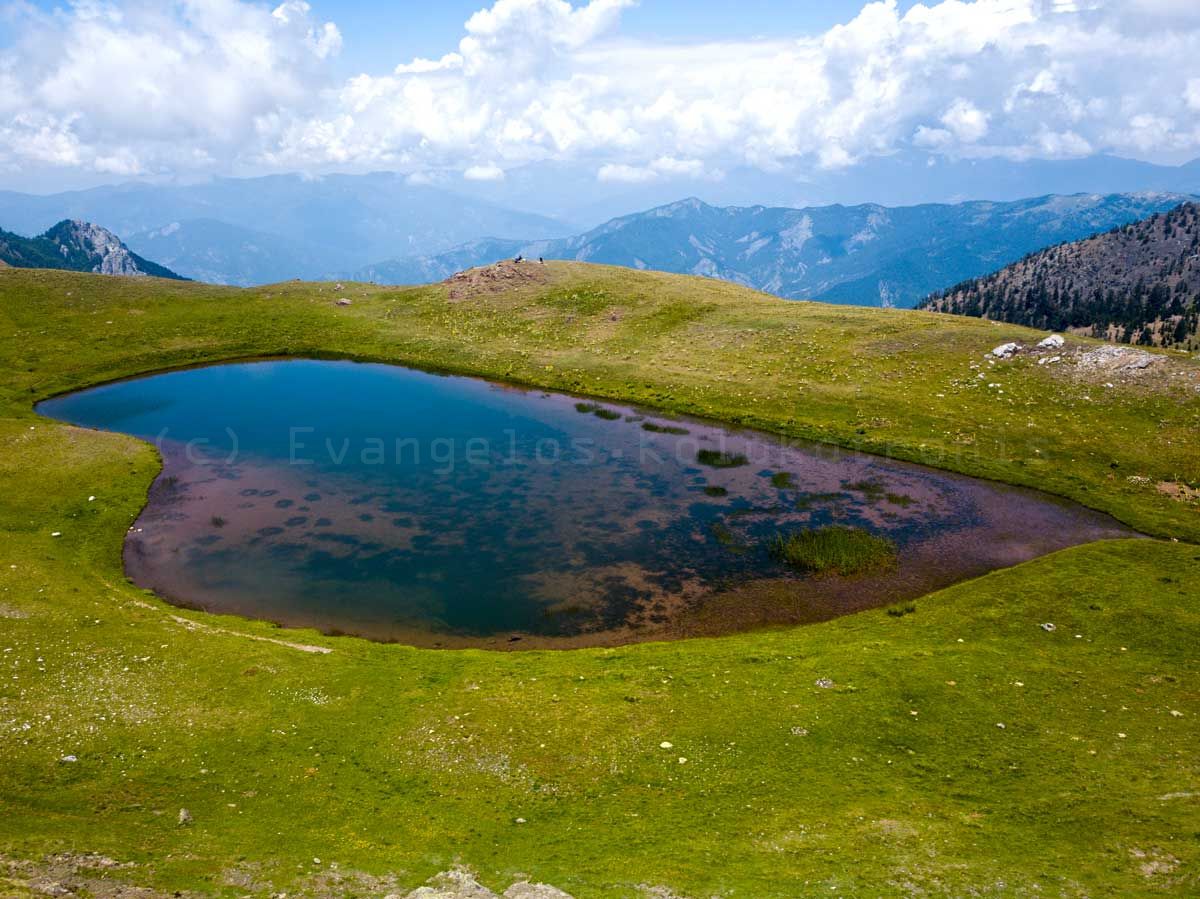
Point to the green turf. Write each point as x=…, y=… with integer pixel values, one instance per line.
x=837, y=549
x=864, y=756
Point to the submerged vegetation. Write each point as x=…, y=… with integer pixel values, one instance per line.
x=393, y=763
x=719, y=459
x=663, y=429
x=599, y=411
x=783, y=480
x=835, y=549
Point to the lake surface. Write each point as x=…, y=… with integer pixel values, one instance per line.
x=445, y=511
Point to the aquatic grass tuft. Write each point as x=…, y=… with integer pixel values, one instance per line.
x=783, y=480
x=718, y=459
x=714, y=490
x=597, y=410
x=837, y=549
x=872, y=489
x=663, y=429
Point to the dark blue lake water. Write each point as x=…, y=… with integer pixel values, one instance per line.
x=401, y=505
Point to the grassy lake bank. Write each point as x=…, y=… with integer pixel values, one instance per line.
x=860, y=756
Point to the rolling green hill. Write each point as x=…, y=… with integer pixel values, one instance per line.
x=961, y=749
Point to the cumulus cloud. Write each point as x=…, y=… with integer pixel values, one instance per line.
x=143, y=86
x=140, y=86
x=484, y=173
x=665, y=166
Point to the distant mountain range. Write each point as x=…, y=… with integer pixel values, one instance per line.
x=865, y=255
x=574, y=192
x=1139, y=283
x=79, y=247
x=257, y=230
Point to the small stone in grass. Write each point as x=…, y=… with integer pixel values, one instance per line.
x=1048, y=627
x=665, y=745
x=1000, y=725
x=56, y=533
x=69, y=758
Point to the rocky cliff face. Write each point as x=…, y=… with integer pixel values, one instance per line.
x=80, y=247
x=105, y=252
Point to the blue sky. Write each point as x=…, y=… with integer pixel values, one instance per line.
x=380, y=34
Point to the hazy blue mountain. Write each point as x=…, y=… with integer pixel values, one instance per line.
x=573, y=192
x=346, y=221
x=866, y=255
x=79, y=247
x=257, y=230
x=220, y=253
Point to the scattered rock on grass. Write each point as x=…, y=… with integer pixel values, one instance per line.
x=460, y=883
x=185, y=817
x=1005, y=351
x=1116, y=359
x=526, y=890
x=1053, y=342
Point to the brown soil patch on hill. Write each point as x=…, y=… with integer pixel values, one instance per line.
x=495, y=278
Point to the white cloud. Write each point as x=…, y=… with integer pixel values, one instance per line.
x=1193, y=94
x=420, y=66
x=666, y=166
x=625, y=174
x=224, y=84
x=966, y=122
x=484, y=173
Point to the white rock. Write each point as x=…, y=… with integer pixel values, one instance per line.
x=525, y=890
x=665, y=745
x=1053, y=342
x=456, y=884
x=69, y=758
x=1006, y=350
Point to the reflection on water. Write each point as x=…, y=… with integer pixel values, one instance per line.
x=396, y=504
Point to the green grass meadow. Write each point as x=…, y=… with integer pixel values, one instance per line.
x=962, y=749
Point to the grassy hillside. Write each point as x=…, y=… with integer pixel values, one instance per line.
x=892, y=776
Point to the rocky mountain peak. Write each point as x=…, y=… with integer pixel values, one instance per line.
x=77, y=246
x=109, y=256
